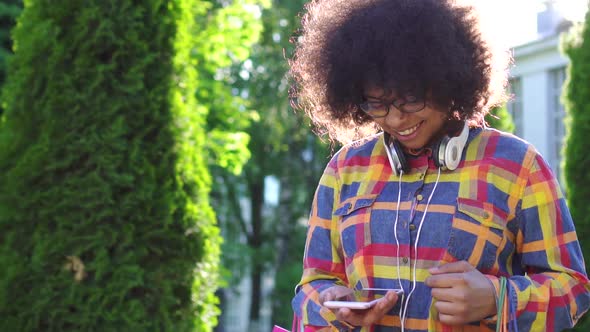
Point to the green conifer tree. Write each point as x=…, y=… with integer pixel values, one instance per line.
x=104, y=207
x=9, y=11
x=576, y=96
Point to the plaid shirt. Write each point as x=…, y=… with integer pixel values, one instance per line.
x=501, y=210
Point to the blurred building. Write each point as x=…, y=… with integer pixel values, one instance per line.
x=536, y=82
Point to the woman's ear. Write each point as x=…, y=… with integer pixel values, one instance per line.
x=454, y=115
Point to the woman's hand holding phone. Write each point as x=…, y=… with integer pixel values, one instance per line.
x=342, y=302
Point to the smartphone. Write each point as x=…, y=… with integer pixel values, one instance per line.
x=355, y=305
x=361, y=299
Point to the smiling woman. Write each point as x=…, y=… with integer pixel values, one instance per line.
x=467, y=221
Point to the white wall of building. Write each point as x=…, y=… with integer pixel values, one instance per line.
x=532, y=64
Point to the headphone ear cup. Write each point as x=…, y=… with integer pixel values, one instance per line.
x=403, y=164
x=395, y=154
x=453, y=153
x=439, y=152
x=454, y=148
x=447, y=154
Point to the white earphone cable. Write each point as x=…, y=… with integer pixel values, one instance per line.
x=404, y=310
x=399, y=195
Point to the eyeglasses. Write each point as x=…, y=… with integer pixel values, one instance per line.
x=380, y=109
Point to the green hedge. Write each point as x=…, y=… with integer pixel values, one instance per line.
x=9, y=11
x=576, y=46
x=104, y=216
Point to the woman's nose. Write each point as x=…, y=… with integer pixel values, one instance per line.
x=395, y=117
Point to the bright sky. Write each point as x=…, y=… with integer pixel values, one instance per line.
x=514, y=21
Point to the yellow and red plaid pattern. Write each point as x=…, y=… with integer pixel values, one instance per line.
x=502, y=211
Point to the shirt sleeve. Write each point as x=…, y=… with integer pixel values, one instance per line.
x=554, y=292
x=323, y=265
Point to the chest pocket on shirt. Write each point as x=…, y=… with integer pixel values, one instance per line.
x=477, y=235
x=354, y=227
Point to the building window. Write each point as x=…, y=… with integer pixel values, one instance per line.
x=514, y=105
x=556, y=119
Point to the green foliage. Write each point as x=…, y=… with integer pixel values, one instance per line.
x=500, y=119
x=9, y=11
x=104, y=189
x=282, y=146
x=576, y=45
x=288, y=275
x=235, y=109
x=225, y=40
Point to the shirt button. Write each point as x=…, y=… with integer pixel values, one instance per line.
x=419, y=197
x=405, y=260
x=412, y=227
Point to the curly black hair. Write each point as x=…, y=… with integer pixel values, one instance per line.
x=422, y=47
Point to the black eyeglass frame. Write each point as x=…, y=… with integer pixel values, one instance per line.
x=397, y=103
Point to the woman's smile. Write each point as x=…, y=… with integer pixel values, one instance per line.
x=409, y=133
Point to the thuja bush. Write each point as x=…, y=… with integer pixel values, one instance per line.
x=9, y=11
x=104, y=218
x=576, y=45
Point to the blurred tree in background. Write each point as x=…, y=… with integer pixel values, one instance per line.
x=267, y=238
x=297, y=160
x=223, y=43
x=500, y=119
x=576, y=45
x=103, y=182
x=9, y=11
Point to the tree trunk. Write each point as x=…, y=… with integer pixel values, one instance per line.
x=255, y=242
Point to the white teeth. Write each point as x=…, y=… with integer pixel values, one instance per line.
x=409, y=131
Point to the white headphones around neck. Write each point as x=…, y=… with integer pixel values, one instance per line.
x=446, y=153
